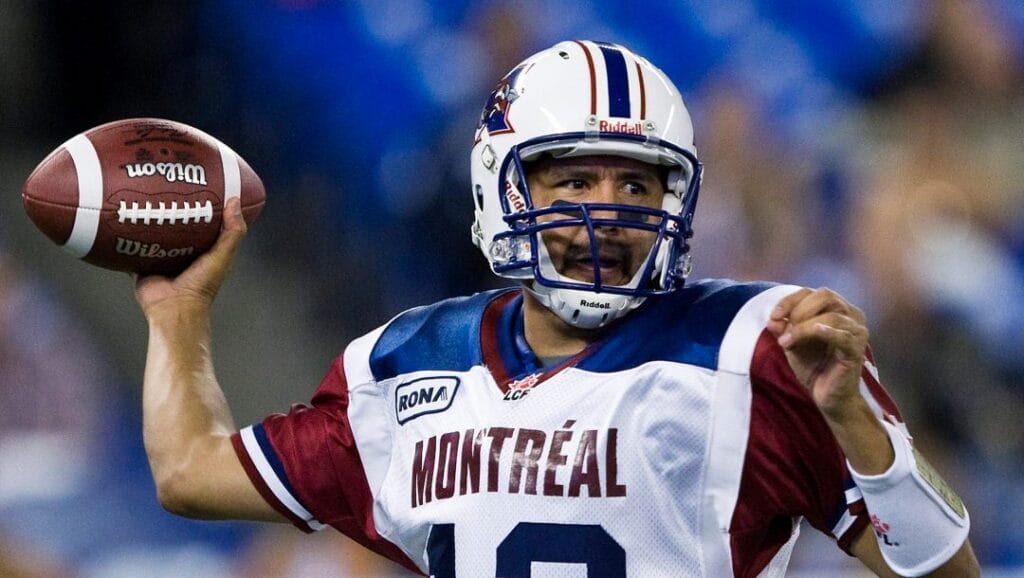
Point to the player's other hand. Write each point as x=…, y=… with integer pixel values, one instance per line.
x=825, y=339
x=196, y=286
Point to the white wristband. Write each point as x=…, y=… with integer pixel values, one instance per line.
x=918, y=520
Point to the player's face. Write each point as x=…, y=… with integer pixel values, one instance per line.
x=596, y=179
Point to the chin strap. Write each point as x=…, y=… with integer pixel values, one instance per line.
x=583, y=309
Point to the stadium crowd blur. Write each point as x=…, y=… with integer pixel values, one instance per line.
x=870, y=146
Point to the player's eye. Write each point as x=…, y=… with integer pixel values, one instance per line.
x=574, y=184
x=634, y=188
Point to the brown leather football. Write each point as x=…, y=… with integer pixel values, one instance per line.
x=144, y=195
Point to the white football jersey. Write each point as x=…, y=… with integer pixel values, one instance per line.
x=679, y=444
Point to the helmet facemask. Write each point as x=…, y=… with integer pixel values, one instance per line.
x=619, y=253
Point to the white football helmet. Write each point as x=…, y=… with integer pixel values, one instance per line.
x=583, y=98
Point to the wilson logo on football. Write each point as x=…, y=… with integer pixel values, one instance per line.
x=149, y=251
x=424, y=396
x=173, y=172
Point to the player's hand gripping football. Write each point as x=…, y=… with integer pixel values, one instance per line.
x=825, y=339
x=197, y=285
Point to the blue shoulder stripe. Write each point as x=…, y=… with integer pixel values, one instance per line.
x=443, y=336
x=686, y=326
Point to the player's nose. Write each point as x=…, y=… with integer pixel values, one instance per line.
x=604, y=193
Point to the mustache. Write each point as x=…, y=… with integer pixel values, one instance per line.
x=606, y=251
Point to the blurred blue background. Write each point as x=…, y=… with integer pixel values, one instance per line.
x=875, y=147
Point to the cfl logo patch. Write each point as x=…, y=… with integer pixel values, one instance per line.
x=520, y=387
x=882, y=531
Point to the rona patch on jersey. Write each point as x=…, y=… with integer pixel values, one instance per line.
x=424, y=396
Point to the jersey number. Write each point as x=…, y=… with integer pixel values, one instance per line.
x=532, y=542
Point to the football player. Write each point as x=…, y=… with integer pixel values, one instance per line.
x=601, y=413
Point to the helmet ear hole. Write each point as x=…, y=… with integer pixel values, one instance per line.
x=479, y=196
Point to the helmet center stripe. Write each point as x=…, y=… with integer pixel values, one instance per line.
x=618, y=82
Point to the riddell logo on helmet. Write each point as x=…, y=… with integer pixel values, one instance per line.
x=595, y=304
x=516, y=202
x=621, y=127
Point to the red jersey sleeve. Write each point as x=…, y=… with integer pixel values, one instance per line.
x=794, y=466
x=306, y=464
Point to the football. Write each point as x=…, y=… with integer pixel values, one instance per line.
x=143, y=195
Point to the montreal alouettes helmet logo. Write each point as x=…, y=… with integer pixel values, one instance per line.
x=494, y=117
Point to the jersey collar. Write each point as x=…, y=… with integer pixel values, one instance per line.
x=506, y=353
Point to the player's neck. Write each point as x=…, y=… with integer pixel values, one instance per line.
x=548, y=335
